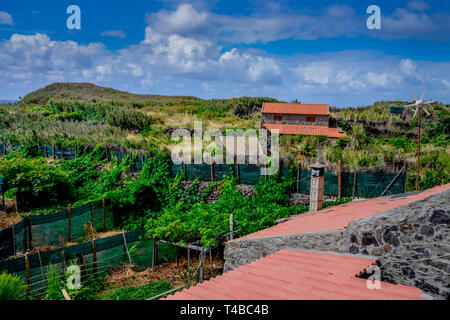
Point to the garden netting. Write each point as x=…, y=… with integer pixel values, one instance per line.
x=109, y=252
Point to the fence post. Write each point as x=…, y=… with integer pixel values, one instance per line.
x=211, y=263
x=27, y=272
x=298, y=177
x=231, y=226
x=30, y=234
x=92, y=216
x=155, y=252
x=189, y=267
x=185, y=171
x=200, y=267
x=212, y=172
x=354, y=183
x=11, y=225
x=104, y=216
x=69, y=223
x=53, y=152
x=238, y=174
x=94, y=258
x=107, y=153
x=340, y=180
x=126, y=247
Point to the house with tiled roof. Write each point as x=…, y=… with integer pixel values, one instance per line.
x=298, y=118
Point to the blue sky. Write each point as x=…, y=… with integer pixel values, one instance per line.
x=313, y=51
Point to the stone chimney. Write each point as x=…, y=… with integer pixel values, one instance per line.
x=317, y=182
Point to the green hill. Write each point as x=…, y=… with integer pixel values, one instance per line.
x=89, y=92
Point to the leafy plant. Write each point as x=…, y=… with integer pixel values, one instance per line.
x=12, y=287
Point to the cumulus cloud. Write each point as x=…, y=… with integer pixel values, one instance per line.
x=417, y=5
x=114, y=33
x=6, y=18
x=177, y=56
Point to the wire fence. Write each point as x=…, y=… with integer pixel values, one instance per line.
x=344, y=184
x=55, y=229
x=94, y=258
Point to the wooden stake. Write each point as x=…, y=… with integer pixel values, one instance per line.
x=231, y=226
x=69, y=223
x=94, y=258
x=238, y=174
x=298, y=177
x=189, y=267
x=155, y=252
x=211, y=263
x=11, y=225
x=354, y=183
x=340, y=180
x=212, y=172
x=27, y=271
x=104, y=217
x=65, y=294
x=53, y=152
x=126, y=247
x=30, y=234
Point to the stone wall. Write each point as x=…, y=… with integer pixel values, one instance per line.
x=404, y=239
x=411, y=242
x=295, y=119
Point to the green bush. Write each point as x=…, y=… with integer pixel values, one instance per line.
x=35, y=182
x=12, y=287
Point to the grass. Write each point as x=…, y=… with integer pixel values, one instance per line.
x=137, y=293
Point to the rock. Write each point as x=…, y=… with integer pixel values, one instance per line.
x=368, y=239
x=377, y=251
x=427, y=230
x=353, y=249
x=408, y=272
x=387, y=248
x=440, y=217
x=406, y=228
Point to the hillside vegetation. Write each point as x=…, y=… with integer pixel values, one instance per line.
x=68, y=113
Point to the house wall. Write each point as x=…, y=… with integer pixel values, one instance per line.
x=321, y=120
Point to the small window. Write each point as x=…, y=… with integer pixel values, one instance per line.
x=310, y=119
x=278, y=118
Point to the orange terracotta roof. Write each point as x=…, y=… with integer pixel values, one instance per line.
x=339, y=217
x=297, y=275
x=305, y=130
x=295, y=108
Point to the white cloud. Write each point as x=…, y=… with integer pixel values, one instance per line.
x=417, y=5
x=6, y=18
x=407, y=66
x=177, y=57
x=114, y=33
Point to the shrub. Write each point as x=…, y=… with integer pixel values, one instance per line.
x=35, y=182
x=12, y=287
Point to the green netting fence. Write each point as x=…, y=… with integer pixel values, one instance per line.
x=56, y=228
x=94, y=258
x=70, y=153
x=364, y=185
